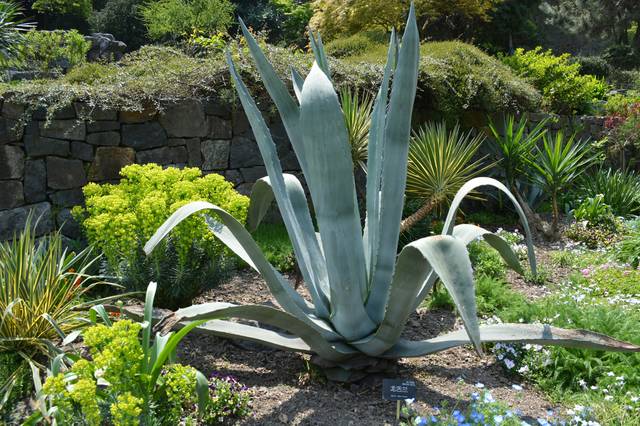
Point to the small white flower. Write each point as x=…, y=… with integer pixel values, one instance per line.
x=480, y=385
x=516, y=387
x=608, y=398
x=610, y=374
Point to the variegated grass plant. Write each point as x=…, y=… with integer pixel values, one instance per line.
x=362, y=291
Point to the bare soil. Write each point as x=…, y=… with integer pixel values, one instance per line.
x=287, y=391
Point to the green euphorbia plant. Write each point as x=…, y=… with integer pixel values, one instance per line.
x=362, y=291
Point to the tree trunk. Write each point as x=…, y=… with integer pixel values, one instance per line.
x=419, y=214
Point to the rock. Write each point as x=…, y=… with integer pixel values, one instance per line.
x=4, y=132
x=194, y=152
x=241, y=124
x=218, y=108
x=12, y=110
x=104, y=47
x=64, y=129
x=104, y=138
x=215, y=154
x=185, y=119
x=289, y=161
x=252, y=174
x=233, y=176
x=11, y=162
x=163, y=156
x=102, y=126
x=35, y=181
x=108, y=162
x=147, y=114
x=93, y=112
x=11, y=194
x=63, y=173
x=65, y=113
x=68, y=198
x=143, y=136
x=219, y=128
x=14, y=130
x=82, y=151
x=14, y=220
x=37, y=146
x=244, y=152
x=68, y=225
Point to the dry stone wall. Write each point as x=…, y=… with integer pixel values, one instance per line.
x=44, y=165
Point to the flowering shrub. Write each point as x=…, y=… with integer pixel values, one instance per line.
x=564, y=89
x=113, y=387
x=623, y=124
x=119, y=219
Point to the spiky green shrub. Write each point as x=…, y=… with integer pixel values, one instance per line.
x=362, y=291
x=118, y=219
x=47, y=50
x=620, y=190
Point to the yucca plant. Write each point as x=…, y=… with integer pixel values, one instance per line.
x=357, y=118
x=12, y=27
x=620, y=189
x=362, y=292
x=440, y=162
x=560, y=162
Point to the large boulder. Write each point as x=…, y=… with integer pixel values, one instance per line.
x=105, y=47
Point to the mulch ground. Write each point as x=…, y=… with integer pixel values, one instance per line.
x=286, y=391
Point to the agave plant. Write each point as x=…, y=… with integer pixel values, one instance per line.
x=362, y=292
x=440, y=162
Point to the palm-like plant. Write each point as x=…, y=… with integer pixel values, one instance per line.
x=514, y=145
x=558, y=163
x=11, y=28
x=362, y=292
x=440, y=162
x=357, y=118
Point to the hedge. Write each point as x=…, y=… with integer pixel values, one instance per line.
x=454, y=77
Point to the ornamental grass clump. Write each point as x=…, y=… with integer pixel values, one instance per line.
x=118, y=219
x=362, y=291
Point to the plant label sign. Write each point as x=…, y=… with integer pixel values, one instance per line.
x=398, y=389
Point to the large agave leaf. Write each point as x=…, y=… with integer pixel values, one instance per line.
x=514, y=333
x=267, y=315
x=485, y=181
x=233, y=235
x=329, y=160
x=291, y=200
x=442, y=256
x=374, y=163
x=318, y=53
x=297, y=81
x=393, y=174
x=468, y=233
x=287, y=107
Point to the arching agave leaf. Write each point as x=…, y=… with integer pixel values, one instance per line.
x=468, y=233
x=513, y=333
x=298, y=81
x=237, y=239
x=267, y=315
x=485, y=181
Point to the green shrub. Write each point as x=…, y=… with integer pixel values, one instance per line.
x=119, y=219
x=274, y=242
x=90, y=73
x=563, y=89
x=46, y=50
x=594, y=236
x=15, y=377
x=122, y=19
x=593, y=65
x=349, y=46
x=176, y=19
x=75, y=7
x=628, y=250
x=620, y=190
x=595, y=212
x=486, y=261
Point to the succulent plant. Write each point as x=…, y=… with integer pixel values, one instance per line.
x=362, y=291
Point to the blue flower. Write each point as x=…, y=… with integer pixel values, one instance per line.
x=543, y=422
x=420, y=421
x=434, y=419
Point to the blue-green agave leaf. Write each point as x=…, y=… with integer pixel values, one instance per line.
x=297, y=81
x=318, y=53
x=485, y=181
x=541, y=334
x=329, y=159
x=393, y=175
